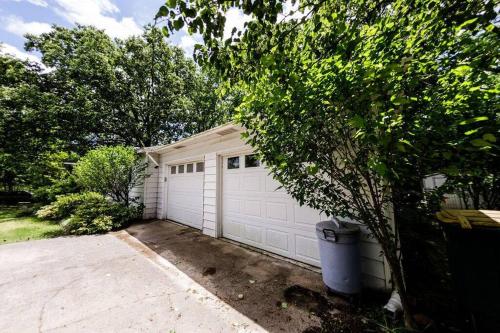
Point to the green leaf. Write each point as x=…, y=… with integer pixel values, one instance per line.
x=162, y=12
x=473, y=120
x=312, y=169
x=171, y=3
x=447, y=155
x=378, y=166
x=480, y=143
x=165, y=31
x=489, y=137
x=471, y=131
x=357, y=121
x=267, y=60
x=466, y=23
x=462, y=70
x=179, y=23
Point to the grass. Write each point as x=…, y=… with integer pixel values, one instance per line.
x=17, y=228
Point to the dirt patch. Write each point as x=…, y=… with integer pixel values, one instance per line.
x=307, y=299
x=278, y=295
x=209, y=271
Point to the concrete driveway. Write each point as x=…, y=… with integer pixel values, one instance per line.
x=104, y=284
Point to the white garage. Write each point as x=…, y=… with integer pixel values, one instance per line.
x=212, y=181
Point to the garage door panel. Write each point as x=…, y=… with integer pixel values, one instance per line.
x=277, y=211
x=306, y=249
x=253, y=233
x=231, y=183
x=251, y=183
x=232, y=206
x=233, y=230
x=277, y=239
x=306, y=216
x=252, y=208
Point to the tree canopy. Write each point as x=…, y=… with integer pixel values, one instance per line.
x=140, y=91
x=98, y=91
x=347, y=101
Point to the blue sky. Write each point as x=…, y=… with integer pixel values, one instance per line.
x=118, y=18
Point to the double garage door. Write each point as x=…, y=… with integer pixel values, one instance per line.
x=254, y=210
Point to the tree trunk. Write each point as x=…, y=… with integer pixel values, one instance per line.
x=399, y=285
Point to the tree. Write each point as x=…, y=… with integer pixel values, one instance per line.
x=111, y=171
x=27, y=121
x=97, y=91
x=140, y=91
x=352, y=100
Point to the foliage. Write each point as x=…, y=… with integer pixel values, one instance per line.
x=26, y=123
x=140, y=91
x=90, y=218
x=79, y=226
x=66, y=205
x=48, y=193
x=111, y=171
x=89, y=213
x=349, y=101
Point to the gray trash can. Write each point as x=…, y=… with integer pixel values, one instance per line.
x=340, y=256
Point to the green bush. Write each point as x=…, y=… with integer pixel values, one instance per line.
x=65, y=205
x=49, y=193
x=90, y=213
x=112, y=171
x=79, y=226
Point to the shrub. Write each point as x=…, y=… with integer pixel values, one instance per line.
x=65, y=205
x=80, y=226
x=49, y=193
x=112, y=171
x=89, y=213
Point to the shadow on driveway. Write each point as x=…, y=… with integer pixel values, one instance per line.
x=279, y=296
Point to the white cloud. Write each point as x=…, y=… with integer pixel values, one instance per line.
x=99, y=14
x=40, y=3
x=187, y=44
x=15, y=52
x=235, y=19
x=287, y=8
x=17, y=26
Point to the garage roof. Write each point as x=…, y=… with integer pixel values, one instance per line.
x=215, y=132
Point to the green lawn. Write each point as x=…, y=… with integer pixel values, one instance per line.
x=19, y=229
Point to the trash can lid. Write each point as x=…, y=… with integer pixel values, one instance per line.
x=343, y=227
x=468, y=219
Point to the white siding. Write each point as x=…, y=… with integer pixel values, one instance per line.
x=150, y=197
x=210, y=196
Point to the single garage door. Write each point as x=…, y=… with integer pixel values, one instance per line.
x=185, y=193
x=254, y=212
